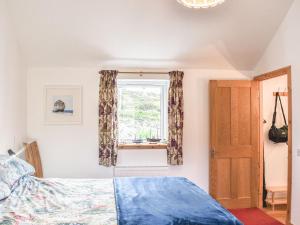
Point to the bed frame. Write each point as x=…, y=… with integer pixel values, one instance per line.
x=32, y=156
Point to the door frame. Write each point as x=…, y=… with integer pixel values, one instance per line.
x=276, y=73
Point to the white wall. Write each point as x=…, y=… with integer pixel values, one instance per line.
x=276, y=155
x=284, y=50
x=72, y=151
x=12, y=86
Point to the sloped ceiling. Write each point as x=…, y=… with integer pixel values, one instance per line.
x=145, y=33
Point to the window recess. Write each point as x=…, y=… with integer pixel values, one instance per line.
x=142, y=113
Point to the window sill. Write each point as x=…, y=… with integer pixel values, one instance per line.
x=144, y=146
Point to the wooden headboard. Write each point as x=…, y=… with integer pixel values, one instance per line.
x=32, y=156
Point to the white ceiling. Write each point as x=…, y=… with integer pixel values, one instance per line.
x=145, y=33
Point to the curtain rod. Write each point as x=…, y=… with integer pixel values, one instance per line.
x=140, y=72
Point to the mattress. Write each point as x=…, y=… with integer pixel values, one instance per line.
x=122, y=201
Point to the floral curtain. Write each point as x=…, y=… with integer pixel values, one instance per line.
x=108, y=122
x=175, y=118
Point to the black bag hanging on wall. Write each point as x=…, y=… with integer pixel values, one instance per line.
x=278, y=135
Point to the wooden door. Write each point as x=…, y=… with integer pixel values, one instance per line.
x=234, y=142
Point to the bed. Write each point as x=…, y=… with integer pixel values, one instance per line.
x=124, y=201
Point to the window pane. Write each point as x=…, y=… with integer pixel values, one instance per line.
x=139, y=112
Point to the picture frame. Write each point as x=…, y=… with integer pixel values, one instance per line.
x=63, y=104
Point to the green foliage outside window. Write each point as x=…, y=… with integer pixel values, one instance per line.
x=139, y=112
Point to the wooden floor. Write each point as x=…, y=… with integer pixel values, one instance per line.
x=278, y=214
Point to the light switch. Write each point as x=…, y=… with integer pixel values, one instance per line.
x=298, y=152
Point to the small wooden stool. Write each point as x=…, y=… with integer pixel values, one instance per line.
x=279, y=201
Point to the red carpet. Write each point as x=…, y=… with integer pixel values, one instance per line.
x=254, y=216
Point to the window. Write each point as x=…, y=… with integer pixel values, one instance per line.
x=142, y=110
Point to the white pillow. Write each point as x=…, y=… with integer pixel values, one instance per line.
x=12, y=169
x=4, y=190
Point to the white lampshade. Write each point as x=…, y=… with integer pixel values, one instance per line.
x=200, y=3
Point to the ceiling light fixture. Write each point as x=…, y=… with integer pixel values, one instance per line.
x=197, y=4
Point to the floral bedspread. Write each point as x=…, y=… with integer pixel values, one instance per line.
x=60, y=202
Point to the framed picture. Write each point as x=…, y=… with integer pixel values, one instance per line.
x=63, y=105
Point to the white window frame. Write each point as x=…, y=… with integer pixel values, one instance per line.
x=164, y=85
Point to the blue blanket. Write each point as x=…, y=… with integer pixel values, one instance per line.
x=167, y=201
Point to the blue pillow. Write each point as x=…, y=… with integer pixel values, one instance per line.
x=4, y=190
x=12, y=169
